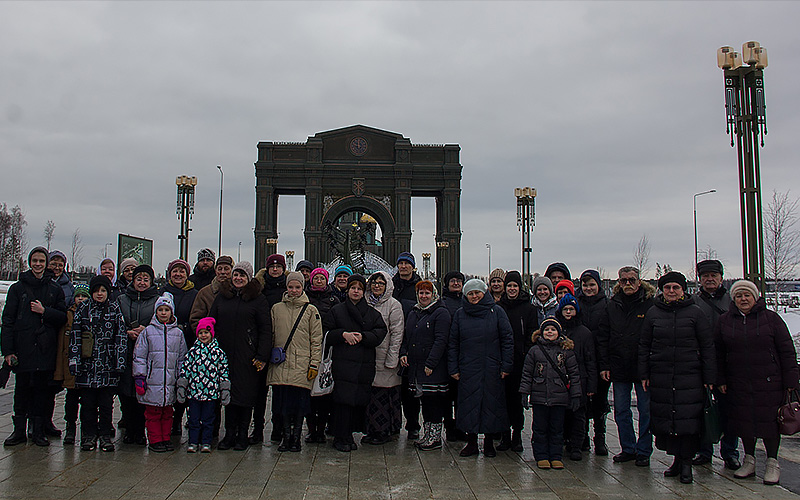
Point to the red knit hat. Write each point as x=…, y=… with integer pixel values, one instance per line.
x=566, y=284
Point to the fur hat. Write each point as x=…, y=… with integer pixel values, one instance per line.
x=165, y=300
x=408, y=257
x=178, y=262
x=568, y=284
x=245, y=267
x=497, y=273
x=542, y=280
x=745, y=285
x=98, y=281
x=224, y=259
x=672, y=277
x=558, y=266
x=474, y=284
x=128, y=262
x=206, y=254
x=569, y=300
x=344, y=268
x=304, y=263
x=277, y=258
x=82, y=289
x=356, y=278
x=296, y=276
x=206, y=324
x=709, y=266
x=144, y=268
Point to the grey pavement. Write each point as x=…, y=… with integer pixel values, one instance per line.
x=392, y=471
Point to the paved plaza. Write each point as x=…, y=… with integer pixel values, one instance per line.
x=393, y=471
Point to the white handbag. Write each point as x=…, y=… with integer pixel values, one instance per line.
x=323, y=383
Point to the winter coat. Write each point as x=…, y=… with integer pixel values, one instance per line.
x=480, y=348
x=205, y=368
x=618, y=333
x=66, y=286
x=425, y=344
x=305, y=349
x=452, y=301
x=585, y=352
x=202, y=279
x=714, y=305
x=138, y=308
x=110, y=344
x=592, y=309
x=202, y=303
x=354, y=365
x=62, y=373
x=523, y=317
x=244, y=332
x=184, y=300
x=405, y=291
x=33, y=337
x=273, y=288
x=387, y=354
x=676, y=354
x=158, y=355
x=546, y=310
x=323, y=300
x=757, y=362
x=541, y=380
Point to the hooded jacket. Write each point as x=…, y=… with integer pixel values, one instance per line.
x=110, y=344
x=205, y=369
x=305, y=349
x=405, y=291
x=202, y=303
x=158, y=356
x=138, y=309
x=425, y=344
x=541, y=380
x=387, y=354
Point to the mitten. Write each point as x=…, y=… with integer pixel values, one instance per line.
x=140, y=383
x=575, y=404
x=312, y=373
x=525, y=403
x=225, y=393
x=180, y=390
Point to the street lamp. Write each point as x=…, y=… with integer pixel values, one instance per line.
x=746, y=115
x=489, y=247
x=426, y=265
x=694, y=204
x=526, y=220
x=185, y=210
x=239, y=256
x=221, y=179
x=289, y=259
x=105, y=250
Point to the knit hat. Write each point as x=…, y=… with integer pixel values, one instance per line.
x=566, y=284
x=224, y=259
x=356, y=277
x=39, y=250
x=317, y=271
x=98, y=281
x=591, y=273
x=178, y=262
x=551, y=322
x=344, y=268
x=295, y=276
x=408, y=257
x=82, y=289
x=166, y=300
x=513, y=276
x=128, y=262
x=245, y=267
x=542, y=280
x=709, y=266
x=277, y=258
x=474, y=284
x=424, y=285
x=144, y=268
x=206, y=253
x=497, y=273
x=558, y=266
x=451, y=275
x=206, y=323
x=672, y=277
x=569, y=300
x=57, y=253
x=745, y=285
x=304, y=264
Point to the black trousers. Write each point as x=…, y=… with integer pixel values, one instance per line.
x=575, y=427
x=71, y=404
x=345, y=421
x=97, y=410
x=32, y=394
x=516, y=416
x=260, y=408
x=411, y=406
x=320, y=414
x=434, y=405
x=133, y=415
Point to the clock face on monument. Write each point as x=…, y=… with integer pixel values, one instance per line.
x=358, y=146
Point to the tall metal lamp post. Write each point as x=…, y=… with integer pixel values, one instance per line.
x=746, y=112
x=185, y=210
x=694, y=205
x=290, y=259
x=426, y=265
x=526, y=220
x=489, y=247
x=221, y=179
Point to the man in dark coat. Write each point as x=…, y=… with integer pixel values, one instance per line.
x=33, y=314
x=404, y=291
x=451, y=297
x=618, y=338
x=204, y=269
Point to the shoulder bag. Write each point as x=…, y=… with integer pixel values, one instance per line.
x=323, y=383
x=789, y=413
x=279, y=353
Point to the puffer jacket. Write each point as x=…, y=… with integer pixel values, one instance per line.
x=184, y=300
x=546, y=310
x=387, y=354
x=305, y=349
x=138, y=308
x=110, y=345
x=585, y=352
x=202, y=303
x=541, y=380
x=66, y=286
x=205, y=368
x=158, y=356
x=425, y=344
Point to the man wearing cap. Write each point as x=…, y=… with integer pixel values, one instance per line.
x=206, y=295
x=715, y=300
x=305, y=267
x=204, y=269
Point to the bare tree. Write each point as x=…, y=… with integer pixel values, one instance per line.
x=12, y=241
x=49, y=232
x=783, y=238
x=706, y=254
x=641, y=255
x=77, y=250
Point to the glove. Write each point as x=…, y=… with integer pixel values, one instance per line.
x=73, y=369
x=180, y=391
x=140, y=383
x=525, y=403
x=575, y=404
x=312, y=373
x=225, y=393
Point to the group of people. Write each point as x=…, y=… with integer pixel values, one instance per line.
x=469, y=356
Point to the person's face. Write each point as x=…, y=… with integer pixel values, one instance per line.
x=405, y=269
x=141, y=282
x=424, y=297
x=341, y=281
x=38, y=263
x=512, y=290
x=57, y=265
x=204, y=336
x=205, y=264
x=107, y=270
x=306, y=272
x=590, y=287
x=100, y=295
x=163, y=314
x=239, y=279
x=178, y=276
x=377, y=286
x=455, y=285
x=744, y=300
x=542, y=293
x=496, y=285
x=672, y=292
x=550, y=332
x=319, y=281
x=355, y=292
x=568, y=312
x=127, y=273
x=275, y=270
x=711, y=281
x=80, y=298
x=556, y=276
x=294, y=288
x=474, y=296
x=561, y=292
x=223, y=272
x=630, y=282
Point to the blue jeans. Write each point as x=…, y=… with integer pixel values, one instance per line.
x=624, y=418
x=201, y=420
x=548, y=432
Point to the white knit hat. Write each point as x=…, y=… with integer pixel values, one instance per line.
x=745, y=285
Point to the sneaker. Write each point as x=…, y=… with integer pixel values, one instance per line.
x=157, y=447
x=192, y=448
x=88, y=443
x=206, y=448
x=106, y=444
x=168, y=446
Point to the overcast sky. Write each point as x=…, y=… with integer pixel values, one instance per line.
x=612, y=110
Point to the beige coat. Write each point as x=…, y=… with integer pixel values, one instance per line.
x=305, y=350
x=387, y=355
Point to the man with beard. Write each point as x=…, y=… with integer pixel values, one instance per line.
x=204, y=269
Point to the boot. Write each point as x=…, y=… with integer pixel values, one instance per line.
x=434, y=438
x=286, y=436
x=600, y=448
x=686, y=472
x=472, y=446
x=50, y=429
x=257, y=436
x=748, y=468
x=242, y=441
x=18, y=436
x=516, y=441
x=69, y=437
x=673, y=469
x=488, y=447
x=772, y=474
x=39, y=439
x=505, y=441
x=426, y=435
x=297, y=431
x=231, y=421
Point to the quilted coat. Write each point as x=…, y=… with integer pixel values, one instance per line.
x=110, y=351
x=387, y=354
x=585, y=351
x=138, y=309
x=158, y=355
x=425, y=344
x=305, y=349
x=542, y=381
x=206, y=369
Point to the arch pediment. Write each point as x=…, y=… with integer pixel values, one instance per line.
x=358, y=144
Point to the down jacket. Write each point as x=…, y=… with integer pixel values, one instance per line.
x=425, y=344
x=585, y=352
x=305, y=349
x=480, y=348
x=542, y=381
x=158, y=356
x=757, y=362
x=138, y=309
x=205, y=369
x=676, y=354
x=387, y=354
x=110, y=349
x=202, y=303
x=184, y=300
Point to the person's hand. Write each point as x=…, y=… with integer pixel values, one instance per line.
x=456, y=376
x=37, y=307
x=225, y=392
x=645, y=384
x=709, y=386
x=525, y=402
x=605, y=375
x=428, y=371
x=11, y=360
x=503, y=375
x=140, y=383
x=403, y=360
x=723, y=388
x=312, y=373
x=352, y=338
x=259, y=364
x=575, y=403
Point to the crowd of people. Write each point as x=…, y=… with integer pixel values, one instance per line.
x=467, y=356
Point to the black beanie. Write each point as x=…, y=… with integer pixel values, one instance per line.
x=672, y=277
x=98, y=281
x=144, y=268
x=359, y=278
x=513, y=276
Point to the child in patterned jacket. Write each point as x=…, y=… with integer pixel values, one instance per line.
x=204, y=382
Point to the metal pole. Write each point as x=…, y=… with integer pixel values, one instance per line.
x=239, y=256
x=221, y=180
x=694, y=205
x=488, y=246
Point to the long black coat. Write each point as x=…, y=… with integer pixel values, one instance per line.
x=324, y=301
x=592, y=309
x=244, y=331
x=405, y=291
x=524, y=320
x=618, y=333
x=33, y=337
x=757, y=363
x=584, y=350
x=425, y=344
x=183, y=299
x=676, y=354
x=481, y=347
x=137, y=309
x=354, y=365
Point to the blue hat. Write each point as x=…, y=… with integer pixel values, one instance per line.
x=569, y=300
x=408, y=257
x=344, y=268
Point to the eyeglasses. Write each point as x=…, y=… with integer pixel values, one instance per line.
x=628, y=280
x=378, y=283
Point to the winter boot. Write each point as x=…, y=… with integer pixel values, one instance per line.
x=18, y=436
x=673, y=470
x=472, y=446
x=69, y=436
x=489, y=450
x=433, y=438
x=297, y=432
x=39, y=438
x=748, y=468
x=286, y=436
x=230, y=429
x=516, y=441
x=772, y=474
x=242, y=441
x=686, y=471
x=426, y=435
x=600, y=448
x=505, y=441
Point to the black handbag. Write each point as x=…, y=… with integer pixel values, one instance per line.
x=789, y=414
x=279, y=353
x=712, y=427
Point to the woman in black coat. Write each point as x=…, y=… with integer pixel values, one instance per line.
x=356, y=329
x=480, y=354
x=244, y=332
x=757, y=365
x=423, y=353
x=677, y=365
